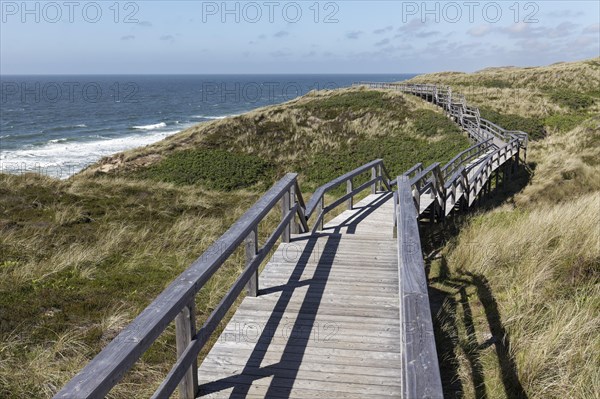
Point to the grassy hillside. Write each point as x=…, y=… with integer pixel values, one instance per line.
x=321, y=135
x=80, y=258
x=520, y=284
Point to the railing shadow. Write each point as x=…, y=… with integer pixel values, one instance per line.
x=362, y=213
x=451, y=296
x=462, y=291
x=283, y=374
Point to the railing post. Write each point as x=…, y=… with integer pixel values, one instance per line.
x=295, y=228
x=373, y=176
x=349, y=188
x=185, y=329
x=285, y=208
x=319, y=210
x=251, y=251
x=466, y=189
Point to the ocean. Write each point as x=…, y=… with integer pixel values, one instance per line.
x=58, y=125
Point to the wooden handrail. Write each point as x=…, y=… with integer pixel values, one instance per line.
x=420, y=368
x=316, y=202
x=465, y=156
x=108, y=367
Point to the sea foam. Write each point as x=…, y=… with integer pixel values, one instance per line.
x=150, y=127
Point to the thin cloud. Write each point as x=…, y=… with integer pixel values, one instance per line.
x=280, y=53
x=416, y=27
x=480, y=30
x=382, y=42
x=167, y=38
x=427, y=33
x=413, y=25
x=127, y=37
x=354, y=34
x=565, y=14
x=562, y=29
x=281, y=33
x=595, y=28
x=528, y=31
x=383, y=30
x=145, y=24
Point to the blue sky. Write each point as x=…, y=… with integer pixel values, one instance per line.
x=145, y=37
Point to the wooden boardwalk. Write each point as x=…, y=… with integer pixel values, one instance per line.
x=325, y=324
x=339, y=311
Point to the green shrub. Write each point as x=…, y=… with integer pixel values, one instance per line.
x=564, y=123
x=496, y=83
x=212, y=168
x=399, y=152
x=429, y=123
x=341, y=104
x=571, y=99
x=532, y=126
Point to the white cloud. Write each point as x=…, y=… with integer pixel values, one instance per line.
x=480, y=30
x=595, y=28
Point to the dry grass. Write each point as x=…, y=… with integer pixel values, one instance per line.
x=566, y=165
x=524, y=91
x=79, y=259
x=521, y=284
x=532, y=285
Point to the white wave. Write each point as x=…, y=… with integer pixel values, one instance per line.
x=58, y=140
x=150, y=127
x=63, y=159
x=211, y=117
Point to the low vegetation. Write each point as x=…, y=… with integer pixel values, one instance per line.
x=211, y=168
x=518, y=286
x=81, y=258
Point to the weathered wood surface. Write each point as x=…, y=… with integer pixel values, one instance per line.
x=326, y=323
x=420, y=369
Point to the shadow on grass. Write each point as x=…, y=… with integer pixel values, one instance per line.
x=452, y=297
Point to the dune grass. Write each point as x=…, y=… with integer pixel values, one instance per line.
x=518, y=287
x=522, y=295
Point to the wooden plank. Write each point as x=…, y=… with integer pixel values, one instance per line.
x=264, y=390
x=342, y=281
x=363, y=365
x=265, y=384
x=341, y=375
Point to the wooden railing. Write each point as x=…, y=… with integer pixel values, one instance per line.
x=317, y=201
x=458, y=179
x=466, y=156
x=420, y=369
x=176, y=302
x=456, y=106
